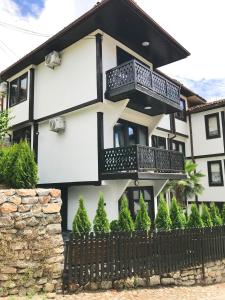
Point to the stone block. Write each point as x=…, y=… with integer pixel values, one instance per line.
x=7, y=270
x=6, y=221
x=54, y=228
x=167, y=281
x=26, y=192
x=154, y=280
x=55, y=193
x=8, y=207
x=106, y=285
x=118, y=284
x=29, y=200
x=24, y=208
x=16, y=200
x=44, y=199
x=42, y=192
x=51, y=208
x=140, y=282
x=129, y=283
x=20, y=224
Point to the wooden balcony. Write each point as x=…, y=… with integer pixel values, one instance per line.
x=143, y=87
x=142, y=162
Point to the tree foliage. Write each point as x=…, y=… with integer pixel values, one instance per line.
x=215, y=214
x=194, y=220
x=176, y=215
x=114, y=226
x=163, y=221
x=4, y=124
x=189, y=187
x=142, y=222
x=81, y=223
x=223, y=214
x=206, y=217
x=18, y=166
x=101, y=222
x=126, y=223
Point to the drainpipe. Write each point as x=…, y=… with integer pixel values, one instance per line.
x=192, y=150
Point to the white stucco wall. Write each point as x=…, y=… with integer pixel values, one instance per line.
x=202, y=146
x=112, y=192
x=71, y=83
x=19, y=113
x=71, y=156
x=210, y=193
x=165, y=122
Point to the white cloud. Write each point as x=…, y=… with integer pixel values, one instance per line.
x=197, y=25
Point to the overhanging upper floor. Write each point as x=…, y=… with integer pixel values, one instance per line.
x=121, y=19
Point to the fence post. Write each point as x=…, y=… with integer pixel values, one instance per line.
x=202, y=253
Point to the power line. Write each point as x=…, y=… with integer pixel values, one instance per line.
x=14, y=53
x=17, y=28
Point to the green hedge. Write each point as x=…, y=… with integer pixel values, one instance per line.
x=18, y=168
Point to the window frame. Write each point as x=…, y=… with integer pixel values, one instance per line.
x=20, y=132
x=18, y=91
x=181, y=115
x=177, y=143
x=157, y=137
x=209, y=164
x=136, y=126
x=207, y=117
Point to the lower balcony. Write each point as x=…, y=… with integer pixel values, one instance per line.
x=142, y=162
x=148, y=91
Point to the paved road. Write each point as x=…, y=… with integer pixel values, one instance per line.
x=213, y=292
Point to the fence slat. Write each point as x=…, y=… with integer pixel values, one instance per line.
x=119, y=255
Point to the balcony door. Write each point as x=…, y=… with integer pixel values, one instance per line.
x=127, y=134
x=133, y=195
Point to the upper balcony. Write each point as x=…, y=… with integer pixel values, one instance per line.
x=148, y=91
x=142, y=162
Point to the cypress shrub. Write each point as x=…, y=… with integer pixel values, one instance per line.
x=206, y=218
x=3, y=152
x=126, y=223
x=163, y=221
x=19, y=169
x=114, y=226
x=215, y=215
x=142, y=222
x=194, y=220
x=81, y=223
x=101, y=223
x=223, y=214
x=176, y=215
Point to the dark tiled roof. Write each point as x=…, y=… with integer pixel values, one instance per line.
x=207, y=106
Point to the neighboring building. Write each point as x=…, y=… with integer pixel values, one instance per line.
x=207, y=124
x=113, y=104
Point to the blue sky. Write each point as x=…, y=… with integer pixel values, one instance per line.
x=30, y=7
x=201, y=33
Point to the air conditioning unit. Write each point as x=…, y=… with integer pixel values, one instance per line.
x=57, y=124
x=53, y=59
x=3, y=88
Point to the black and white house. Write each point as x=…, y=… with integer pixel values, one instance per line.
x=98, y=114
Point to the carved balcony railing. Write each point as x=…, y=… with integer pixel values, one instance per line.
x=138, y=158
x=134, y=72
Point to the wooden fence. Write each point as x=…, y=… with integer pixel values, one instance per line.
x=117, y=256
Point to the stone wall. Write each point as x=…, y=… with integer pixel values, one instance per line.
x=214, y=272
x=31, y=245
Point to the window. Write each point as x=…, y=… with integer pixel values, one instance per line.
x=178, y=146
x=22, y=134
x=158, y=142
x=215, y=173
x=127, y=133
x=18, y=90
x=133, y=196
x=212, y=126
x=181, y=115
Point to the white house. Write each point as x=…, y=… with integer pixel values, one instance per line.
x=207, y=142
x=91, y=103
